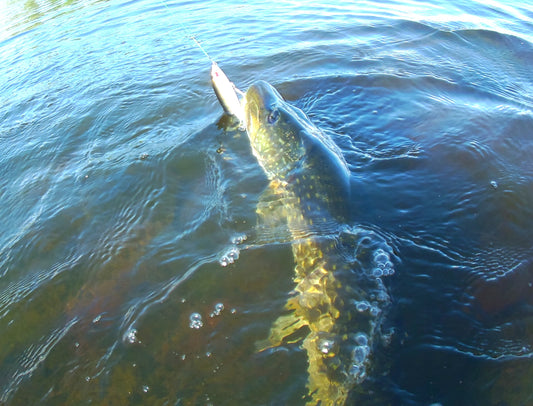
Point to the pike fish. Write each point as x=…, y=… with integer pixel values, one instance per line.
x=334, y=310
x=332, y=304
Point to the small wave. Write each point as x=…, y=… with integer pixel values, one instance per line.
x=32, y=358
x=157, y=297
x=487, y=348
x=20, y=289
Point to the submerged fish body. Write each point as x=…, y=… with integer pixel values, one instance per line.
x=331, y=304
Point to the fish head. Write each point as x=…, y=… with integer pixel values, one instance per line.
x=294, y=152
x=276, y=130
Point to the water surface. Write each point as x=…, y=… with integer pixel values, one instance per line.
x=124, y=192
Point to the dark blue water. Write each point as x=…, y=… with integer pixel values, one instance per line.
x=133, y=266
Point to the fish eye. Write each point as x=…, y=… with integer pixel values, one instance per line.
x=273, y=116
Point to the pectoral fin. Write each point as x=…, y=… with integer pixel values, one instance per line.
x=270, y=207
x=284, y=328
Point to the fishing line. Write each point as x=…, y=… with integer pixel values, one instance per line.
x=225, y=90
x=188, y=34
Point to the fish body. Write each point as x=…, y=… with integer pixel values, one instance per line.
x=311, y=179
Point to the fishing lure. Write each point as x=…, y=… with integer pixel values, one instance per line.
x=227, y=92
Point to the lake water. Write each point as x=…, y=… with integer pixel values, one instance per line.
x=133, y=266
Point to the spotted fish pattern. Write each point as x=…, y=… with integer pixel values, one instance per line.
x=335, y=308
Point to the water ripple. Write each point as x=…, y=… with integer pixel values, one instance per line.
x=120, y=195
x=33, y=357
x=17, y=291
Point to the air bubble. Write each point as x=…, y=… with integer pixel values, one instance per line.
x=239, y=239
x=360, y=353
x=131, y=336
x=361, y=339
x=229, y=257
x=218, y=310
x=362, y=306
x=97, y=319
x=494, y=184
x=380, y=257
x=375, y=311
x=377, y=272
x=388, y=269
x=146, y=388
x=195, y=321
